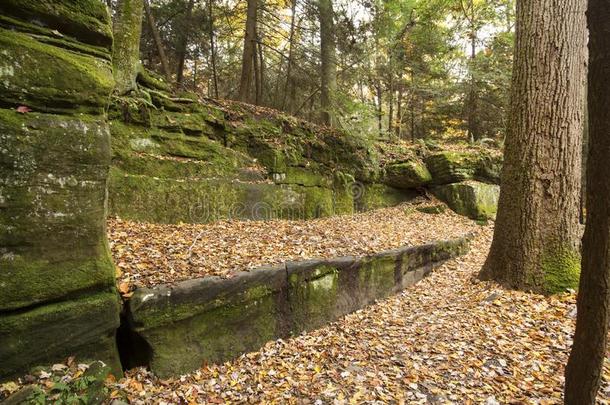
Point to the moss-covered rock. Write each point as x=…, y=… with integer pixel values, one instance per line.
x=409, y=174
x=82, y=327
x=471, y=198
x=52, y=190
x=88, y=21
x=489, y=168
x=48, y=78
x=57, y=295
x=213, y=319
x=452, y=167
x=376, y=195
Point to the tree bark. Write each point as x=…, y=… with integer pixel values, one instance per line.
x=473, y=124
x=583, y=372
x=289, y=80
x=157, y=38
x=184, y=37
x=213, y=48
x=127, y=29
x=328, y=61
x=248, y=55
x=536, y=239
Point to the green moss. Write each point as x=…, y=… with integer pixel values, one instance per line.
x=452, y=167
x=184, y=337
x=561, y=269
x=302, y=176
x=312, y=297
x=411, y=174
x=376, y=195
x=28, y=281
x=476, y=200
x=51, y=37
x=83, y=327
x=377, y=276
x=86, y=20
x=148, y=79
x=49, y=78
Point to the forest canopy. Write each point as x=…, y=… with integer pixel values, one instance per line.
x=403, y=68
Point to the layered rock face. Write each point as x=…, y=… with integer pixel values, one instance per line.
x=179, y=159
x=57, y=294
x=466, y=181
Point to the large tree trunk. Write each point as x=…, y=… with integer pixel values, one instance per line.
x=126, y=48
x=157, y=38
x=583, y=371
x=184, y=37
x=248, y=55
x=536, y=239
x=328, y=61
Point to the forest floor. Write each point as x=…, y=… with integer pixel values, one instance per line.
x=448, y=339
x=151, y=254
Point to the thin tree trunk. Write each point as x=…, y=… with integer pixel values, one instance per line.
x=473, y=130
x=213, y=48
x=399, y=113
x=379, y=107
x=261, y=71
x=583, y=372
x=157, y=38
x=184, y=37
x=536, y=240
x=290, y=56
x=391, y=107
x=249, y=53
x=127, y=29
x=328, y=72
x=257, y=82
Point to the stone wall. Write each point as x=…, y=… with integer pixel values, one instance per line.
x=57, y=294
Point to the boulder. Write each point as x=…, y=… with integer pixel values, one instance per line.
x=452, y=167
x=410, y=174
x=473, y=199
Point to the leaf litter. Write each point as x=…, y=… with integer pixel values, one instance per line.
x=448, y=339
x=150, y=254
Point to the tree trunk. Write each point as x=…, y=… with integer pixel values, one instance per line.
x=536, y=239
x=248, y=56
x=583, y=372
x=390, y=107
x=328, y=61
x=213, y=48
x=473, y=127
x=127, y=29
x=289, y=80
x=157, y=38
x=399, y=114
x=379, y=107
x=257, y=82
x=184, y=38
x=261, y=71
